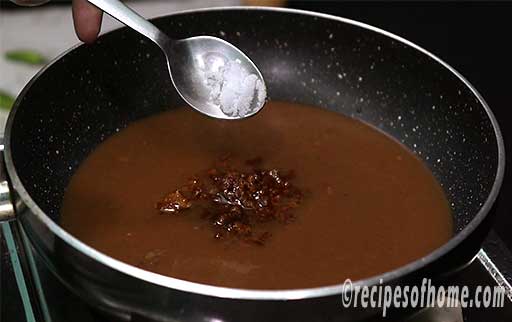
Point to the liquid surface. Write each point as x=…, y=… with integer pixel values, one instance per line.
x=371, y=205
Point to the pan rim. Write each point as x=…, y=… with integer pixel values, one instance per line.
x=256, y=294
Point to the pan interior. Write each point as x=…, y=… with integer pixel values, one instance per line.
x=94, y=91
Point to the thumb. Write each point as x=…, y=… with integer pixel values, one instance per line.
x=87, y=20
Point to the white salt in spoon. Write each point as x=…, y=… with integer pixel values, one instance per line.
x=210, y=74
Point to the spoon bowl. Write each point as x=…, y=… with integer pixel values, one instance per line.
x=215, y=77
x=210, y=74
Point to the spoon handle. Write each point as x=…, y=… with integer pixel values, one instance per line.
x=127, y=16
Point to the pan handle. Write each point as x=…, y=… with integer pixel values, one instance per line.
x=6, y=209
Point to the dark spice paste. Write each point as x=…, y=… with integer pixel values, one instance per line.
x=235, y=202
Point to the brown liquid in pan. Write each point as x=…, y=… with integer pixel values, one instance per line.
x=370, y=205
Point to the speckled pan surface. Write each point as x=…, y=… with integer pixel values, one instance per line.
x=94, y=91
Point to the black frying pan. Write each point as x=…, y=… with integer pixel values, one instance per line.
x=92, y=91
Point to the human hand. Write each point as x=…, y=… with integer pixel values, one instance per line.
x=86, y=17
x=87, y=20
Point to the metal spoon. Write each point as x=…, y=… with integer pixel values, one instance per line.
x=210, y=74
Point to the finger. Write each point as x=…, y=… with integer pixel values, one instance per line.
x=87, y=20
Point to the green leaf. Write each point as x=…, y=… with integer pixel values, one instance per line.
x=6, y=100
x=26, y=56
